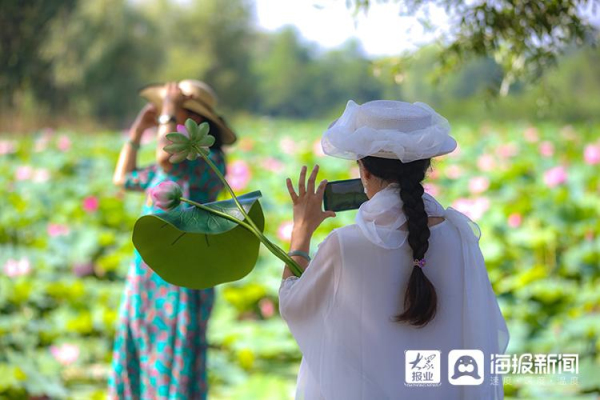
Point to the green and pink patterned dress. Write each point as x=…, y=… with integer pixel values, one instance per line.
x=160, y=346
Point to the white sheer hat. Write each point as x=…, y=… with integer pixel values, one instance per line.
x=388, y=129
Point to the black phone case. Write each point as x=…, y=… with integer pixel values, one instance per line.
x=354, y=192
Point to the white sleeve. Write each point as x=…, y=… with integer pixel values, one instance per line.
x=333, y=365
x=311, y=295
x=484, y=326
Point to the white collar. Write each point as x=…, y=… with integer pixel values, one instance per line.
x=380, y=217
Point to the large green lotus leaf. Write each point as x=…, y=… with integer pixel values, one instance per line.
x=197, y=249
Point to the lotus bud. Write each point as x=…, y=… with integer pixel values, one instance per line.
x=166, y=195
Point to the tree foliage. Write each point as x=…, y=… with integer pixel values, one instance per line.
x=87, y=59
x=100, y=56
x=524, y=36
x=209, y=40
x=24, y=25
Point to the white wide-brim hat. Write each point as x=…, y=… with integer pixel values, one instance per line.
x=388, y=129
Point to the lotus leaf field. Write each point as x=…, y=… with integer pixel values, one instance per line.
x=65, y=247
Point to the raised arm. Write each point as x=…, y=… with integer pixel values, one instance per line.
x=172, y=106
x=301, y=299
x=128, y=157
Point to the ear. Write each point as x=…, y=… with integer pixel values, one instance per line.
x=366, y=174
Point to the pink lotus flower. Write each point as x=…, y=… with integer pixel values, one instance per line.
x=507, y=150
x=431, y=188
x=531, y=134
x=189, y=142
x=479, y=184
x=514, y=220
x=64, y=143
x=288, y=145
x=486, y=162
x=272, y=164
x=65, y=353
x=462, y=204
x=24, y=172
x=166, y=195
x=14, y=268
x=267, y=309
x=285, y=231
x=555, y=176
x=454, y=171
x=591, y=154
x=57, y=230
x=91, y=204
x=546, y=149
x=7, y=147
x=434, y=173
x=238, y=174
x=182, y=129
x=41, y=175
x=83, y=269
x=318, y=149
x=473, y=209
x=178, y=155
x=480, y=206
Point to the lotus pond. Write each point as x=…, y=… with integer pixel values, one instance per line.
x=65, y=247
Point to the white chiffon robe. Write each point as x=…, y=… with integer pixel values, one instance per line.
x=339, y=311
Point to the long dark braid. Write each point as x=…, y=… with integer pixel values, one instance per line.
x=420, y=299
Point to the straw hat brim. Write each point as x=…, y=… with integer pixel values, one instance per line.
x=153, y=93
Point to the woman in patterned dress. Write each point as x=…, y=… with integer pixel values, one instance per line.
x=160, y=346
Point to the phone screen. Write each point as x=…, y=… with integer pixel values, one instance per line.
x=343, y=195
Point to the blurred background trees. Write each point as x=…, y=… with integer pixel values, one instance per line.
x=74, y=60
x=524, y=37
x=24, y=26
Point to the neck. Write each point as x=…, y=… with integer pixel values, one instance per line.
x=383, y=186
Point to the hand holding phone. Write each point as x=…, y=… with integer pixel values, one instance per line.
x=344, y=195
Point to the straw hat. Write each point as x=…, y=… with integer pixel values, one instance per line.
x=203, y=102
x=388, y=129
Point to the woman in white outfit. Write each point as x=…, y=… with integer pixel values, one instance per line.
x=408, y=275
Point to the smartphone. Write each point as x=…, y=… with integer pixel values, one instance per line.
x=343, y=195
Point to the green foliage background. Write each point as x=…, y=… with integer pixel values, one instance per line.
x=545, y=271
